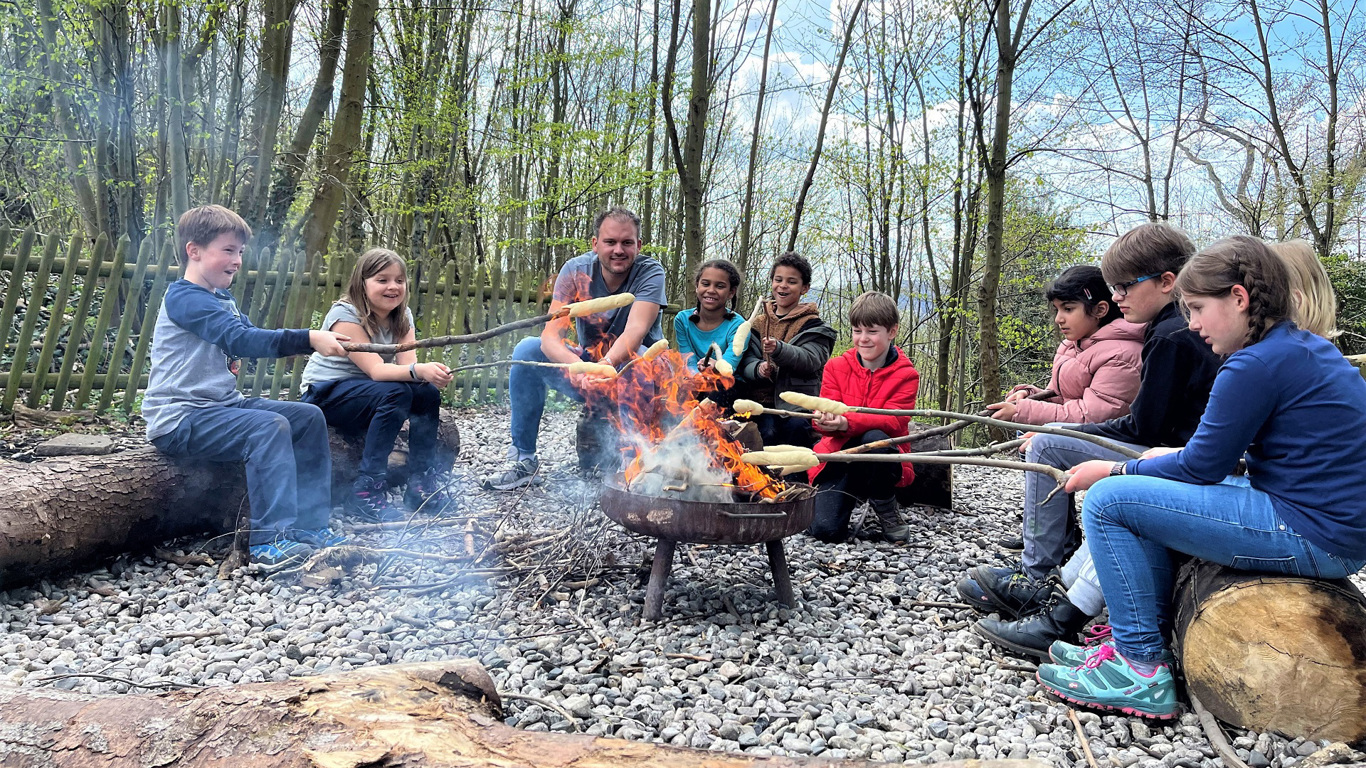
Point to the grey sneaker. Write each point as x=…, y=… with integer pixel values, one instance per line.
x=524, y=472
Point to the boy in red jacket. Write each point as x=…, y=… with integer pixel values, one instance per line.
x=873, y=374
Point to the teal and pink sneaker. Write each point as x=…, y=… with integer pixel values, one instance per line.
x=1069, y=655
x=1106, y=681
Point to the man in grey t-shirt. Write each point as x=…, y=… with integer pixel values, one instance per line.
x=613, y=266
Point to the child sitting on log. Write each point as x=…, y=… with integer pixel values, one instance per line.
x=788, y=347
x=1285, y=401
x=1095, y=370
x=193, y=408
x=874, y=373
x=714, y=320
x=1177, y=372
x=372, y=394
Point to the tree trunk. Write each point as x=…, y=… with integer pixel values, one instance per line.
x=64, y=513
x=346, y=128
x=747, y=204
x=277, y=36
x=434, y=714
x=1274, y=653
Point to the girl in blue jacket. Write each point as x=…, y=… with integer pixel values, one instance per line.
x=1288, y=403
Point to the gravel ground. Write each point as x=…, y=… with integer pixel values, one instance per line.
x=872, y=664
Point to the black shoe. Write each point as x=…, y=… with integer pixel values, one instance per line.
x=1011, y=592
x=1032, y=635
x=369, y=500
x=888, y=512
x=427, y=491
x=1014, y=544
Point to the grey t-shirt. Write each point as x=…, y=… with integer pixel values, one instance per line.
x=322, y=368
x=581, y=278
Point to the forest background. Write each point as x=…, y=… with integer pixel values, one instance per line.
x=956, y=154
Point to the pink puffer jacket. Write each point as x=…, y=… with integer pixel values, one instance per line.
x=1096, y=378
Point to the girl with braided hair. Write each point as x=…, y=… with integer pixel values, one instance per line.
x=1288, y=404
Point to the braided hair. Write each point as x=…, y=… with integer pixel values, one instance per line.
x=1246, y=261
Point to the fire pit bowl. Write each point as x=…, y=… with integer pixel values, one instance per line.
x=671, y=521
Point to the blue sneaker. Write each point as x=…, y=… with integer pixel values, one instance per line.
x=279, y=553
x=1107, y=682
x=318, y=538
x=1070, y=655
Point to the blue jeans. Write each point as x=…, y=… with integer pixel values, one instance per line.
x=1133, y=524
x=785, y=430
x=528, y=386
x=284, y=445
x=377, y=409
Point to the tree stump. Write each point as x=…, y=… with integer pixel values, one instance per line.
x=933, y=483
x=433, y=715
x=1274, y=653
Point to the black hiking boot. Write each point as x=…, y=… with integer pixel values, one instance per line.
x=1010, y=591
x=1032, y=635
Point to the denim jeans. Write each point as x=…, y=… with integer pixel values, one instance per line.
x=377, y=410
x=528, y=386
x=785, y=430
x=1046, y=526
x=1133, y=524
x=841, y=486
x=284, y=446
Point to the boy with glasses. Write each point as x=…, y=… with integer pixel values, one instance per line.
x=1178, y=369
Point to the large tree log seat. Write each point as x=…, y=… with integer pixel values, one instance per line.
x=1274, y=653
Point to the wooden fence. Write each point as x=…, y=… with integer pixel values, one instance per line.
x=77, y=317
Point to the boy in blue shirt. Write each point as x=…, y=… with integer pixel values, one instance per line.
x=193, y=408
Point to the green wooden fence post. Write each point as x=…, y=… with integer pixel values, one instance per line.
x=37, y=297
x=73, y=340
x=149, y=322
x=111, y=288
x=55, y=322
x=145, y=256
x=15, y=292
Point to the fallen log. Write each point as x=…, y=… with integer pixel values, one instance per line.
x=432, y=715
x=1274, y=653
x=68, y=512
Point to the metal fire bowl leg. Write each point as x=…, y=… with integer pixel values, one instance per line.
x=659, y=577
x=782, y=582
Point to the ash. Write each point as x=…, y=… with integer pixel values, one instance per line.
x=878, y=661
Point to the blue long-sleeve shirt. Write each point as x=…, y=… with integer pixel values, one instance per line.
x=198, y=335
x=694, y=341
x=1297, y=408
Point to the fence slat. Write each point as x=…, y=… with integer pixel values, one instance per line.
x=146, y=254
x=149, y=322
x=270, y=318
x=254, y=298
x=449, y=355
x=292, y=319
x=73, y=339
x=424, y=306
x=480, y=323
x=313, y=300
x=15, y=290
x=37, y=297
x=462, y=316
x=111, y=286
x=495, y=317
x=56, y=320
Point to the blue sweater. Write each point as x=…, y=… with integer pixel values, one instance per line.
x=694, y=341
x=198, y=336
x=1297, y=408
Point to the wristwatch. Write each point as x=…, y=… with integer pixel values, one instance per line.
x=1117, y=469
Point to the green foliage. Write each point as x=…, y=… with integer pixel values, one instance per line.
x=1349, y=283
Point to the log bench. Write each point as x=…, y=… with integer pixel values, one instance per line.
x=67, y=513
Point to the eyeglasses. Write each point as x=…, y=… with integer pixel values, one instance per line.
x=1122, y=289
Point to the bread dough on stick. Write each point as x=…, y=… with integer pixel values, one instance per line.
x=656, y=349
x=604, y=304
x=748, y=408
x=741, y=340
x=804, y=459
x=813, y=403
x=593, y=369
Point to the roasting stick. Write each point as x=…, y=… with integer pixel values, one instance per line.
x=576, y=309
x=654, y=350
x=827, y=405
x=804, y=458
x=600, y=370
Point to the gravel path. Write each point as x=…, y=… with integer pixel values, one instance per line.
x=871, y=665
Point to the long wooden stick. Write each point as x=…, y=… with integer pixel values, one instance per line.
x=834, y=406
x=599, y=369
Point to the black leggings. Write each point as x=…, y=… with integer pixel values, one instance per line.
x=841, y=486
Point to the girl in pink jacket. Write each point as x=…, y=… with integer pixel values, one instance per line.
x=1096, y=367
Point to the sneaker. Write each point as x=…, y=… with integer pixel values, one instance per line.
x=974, y=596
x=279, y=553
x=318, y=538
x=520, y=473
x=369, y=500
x=1069, y=655
x=1013, y=593
x=1107, y=682
x=1033, y=635
x=427, y=491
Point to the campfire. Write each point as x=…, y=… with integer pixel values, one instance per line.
x=673, y=445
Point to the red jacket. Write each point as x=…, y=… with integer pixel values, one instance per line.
x=891, y=386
